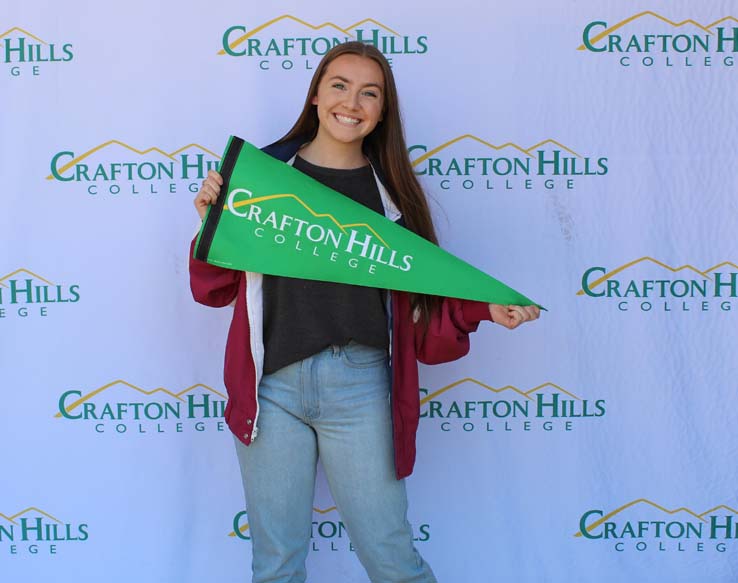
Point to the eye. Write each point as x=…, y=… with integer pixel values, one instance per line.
x=339, y=85
x=370, y=93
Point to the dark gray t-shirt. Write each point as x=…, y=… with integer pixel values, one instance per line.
x=302, y=317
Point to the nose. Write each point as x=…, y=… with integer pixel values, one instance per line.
x=352, y=100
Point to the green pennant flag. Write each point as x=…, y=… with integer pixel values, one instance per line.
x=273, y=219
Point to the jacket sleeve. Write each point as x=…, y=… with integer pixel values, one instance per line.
x=447, y=336
x=212, y=285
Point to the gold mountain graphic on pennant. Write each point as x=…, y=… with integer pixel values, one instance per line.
x=170, y=155
x=342, y=227
x=687, y=267
x=525, y=394
x=245, y=527
x=12, y=519
x=330, y=25
x=524, y=151
x=19, y=29
x=22, y=271
x=646, y=502
x=622, y=23
x=122, y=383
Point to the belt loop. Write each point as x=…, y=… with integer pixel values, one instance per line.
x=336, y=349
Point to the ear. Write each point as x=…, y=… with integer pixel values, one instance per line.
x=314, y=100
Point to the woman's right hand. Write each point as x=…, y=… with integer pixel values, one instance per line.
x=208, y=193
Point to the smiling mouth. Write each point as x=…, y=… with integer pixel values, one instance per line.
x=347, y=121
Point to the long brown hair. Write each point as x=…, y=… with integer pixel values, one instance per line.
x=385, y=146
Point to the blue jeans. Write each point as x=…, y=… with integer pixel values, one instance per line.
x=334, y=404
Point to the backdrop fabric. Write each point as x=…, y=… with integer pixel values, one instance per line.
x=584, y=153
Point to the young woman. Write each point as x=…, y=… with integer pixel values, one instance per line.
x=330, y=370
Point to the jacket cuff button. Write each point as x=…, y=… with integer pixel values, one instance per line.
x=248, y=422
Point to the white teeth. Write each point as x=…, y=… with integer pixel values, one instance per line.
x=344, y=119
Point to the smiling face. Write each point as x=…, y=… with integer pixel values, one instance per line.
x=349, y=100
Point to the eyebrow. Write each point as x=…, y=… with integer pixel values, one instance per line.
x=377, y=85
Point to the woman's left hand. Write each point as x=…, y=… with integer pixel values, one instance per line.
x=513, y=316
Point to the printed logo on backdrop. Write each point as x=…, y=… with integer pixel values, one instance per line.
x=122, y=408
x=648, y=285
x=468, y=405
x=327, y=533
x=34, y=532
x=290, y=43
x=650, y=40
x=468, y=162
x=26, y=54
x=645, y=526
x=25, y=294
x=114, y=169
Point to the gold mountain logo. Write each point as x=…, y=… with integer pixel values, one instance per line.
x=707, y=28
x=644, y=503
x=120, y=386
x=528, y=152
x=193, y=148
x=347, y=31
x=242, y=529
x=22, y=32
x=528, y=395
x=23, y=273
x=687, y=268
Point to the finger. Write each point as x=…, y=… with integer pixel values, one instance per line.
x=514, y=323
x=508, y=322
x=216, y=177
x=512, y=320
x=531, y=312
x=212, y=184
x=205, y=198
x=519, y=313
x=209, y=191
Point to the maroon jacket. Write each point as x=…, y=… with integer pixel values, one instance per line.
x=446, y=339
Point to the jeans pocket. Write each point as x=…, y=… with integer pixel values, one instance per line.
x=360, y=356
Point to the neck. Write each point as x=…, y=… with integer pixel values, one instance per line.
x=328, y=153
